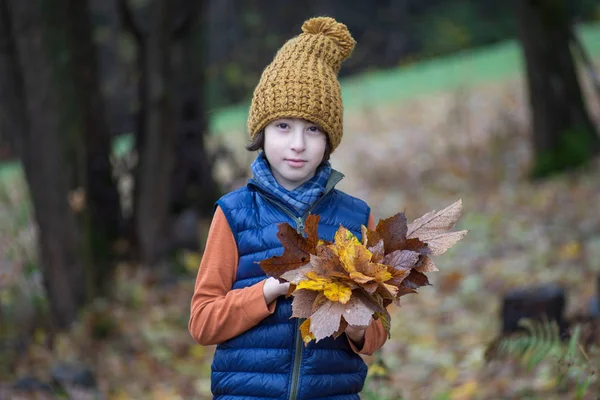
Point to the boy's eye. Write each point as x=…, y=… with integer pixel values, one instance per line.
x=282, y=125
x=314, y=129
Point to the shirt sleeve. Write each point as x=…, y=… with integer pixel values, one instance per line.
x=375, y=334
x=219, y=313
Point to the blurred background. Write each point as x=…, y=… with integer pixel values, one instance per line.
x=122, y=121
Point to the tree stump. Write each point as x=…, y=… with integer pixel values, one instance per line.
x=537, y=303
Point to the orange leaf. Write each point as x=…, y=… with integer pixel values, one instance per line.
x=311, y=228
x=373, y=238
x=296, y=252
x=393, y=232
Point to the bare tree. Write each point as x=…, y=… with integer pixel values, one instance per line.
x=174, y=171
x=563, y=134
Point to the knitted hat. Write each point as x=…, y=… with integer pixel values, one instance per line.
x=301, y=81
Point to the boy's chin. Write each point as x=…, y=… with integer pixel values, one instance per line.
x=295, y=178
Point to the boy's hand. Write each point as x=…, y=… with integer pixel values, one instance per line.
x=356, y=334
x=273, y=289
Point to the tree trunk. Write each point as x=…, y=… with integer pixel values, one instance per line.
x=563, y=134
x=102, y=219
x=40, y=142
x=153, y=180
x=193, y=186
x=13, y=116
x=53, y=106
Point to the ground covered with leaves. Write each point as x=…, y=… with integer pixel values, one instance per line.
x=415, y=156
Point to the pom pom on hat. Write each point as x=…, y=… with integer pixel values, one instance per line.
x=334, y=30
x=301, y=81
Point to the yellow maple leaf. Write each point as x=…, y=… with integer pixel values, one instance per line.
x=351, y=252
x=382, y=274
x=313, y=282
x=307, y=336
x=338, y=292
x=334, y=291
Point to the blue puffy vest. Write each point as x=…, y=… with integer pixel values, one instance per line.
x=270, y=361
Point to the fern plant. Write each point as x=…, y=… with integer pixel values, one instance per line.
x=542, y=341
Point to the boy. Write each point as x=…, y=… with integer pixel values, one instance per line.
x=295, y=121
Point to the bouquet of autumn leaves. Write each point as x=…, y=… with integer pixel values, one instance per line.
x=351, y=281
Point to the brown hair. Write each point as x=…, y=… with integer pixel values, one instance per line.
x=258, y=143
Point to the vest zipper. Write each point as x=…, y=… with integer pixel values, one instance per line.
x=298, y=342
x=297, y=361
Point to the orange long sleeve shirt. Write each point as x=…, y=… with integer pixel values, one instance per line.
x=219, y=313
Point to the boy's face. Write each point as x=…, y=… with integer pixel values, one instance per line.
x=294, y=148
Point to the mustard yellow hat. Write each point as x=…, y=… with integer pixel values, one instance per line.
x=301, y=81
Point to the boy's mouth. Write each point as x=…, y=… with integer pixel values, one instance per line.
x=295, y=162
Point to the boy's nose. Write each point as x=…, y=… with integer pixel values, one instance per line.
x=298, y=144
